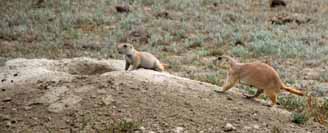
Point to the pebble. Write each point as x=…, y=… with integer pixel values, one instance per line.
x=178, y=129
x=142, y=128
x=229, y=127
x=101, y=91
x=247, y=128
x=229, y=98
x=107, y=100
x=27, y=108
x=4, y=117
x=93, y=96
x=7, y=99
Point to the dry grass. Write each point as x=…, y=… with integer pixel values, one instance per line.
x=188, y=32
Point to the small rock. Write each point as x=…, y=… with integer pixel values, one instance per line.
x=93, y=96
x=101, y=91
x=107, y=100
x=256, y=126
x=4, y=117
x=229, y=127
x=7, y=99
x=49, y=118
x=229, y=98
x=142, y=128
x=8, y=124
x=178, y=129
x=27, y=108
x=13, y=109
x=247, y=127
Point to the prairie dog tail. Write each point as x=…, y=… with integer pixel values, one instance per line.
x=293, y=90
x=232, y=61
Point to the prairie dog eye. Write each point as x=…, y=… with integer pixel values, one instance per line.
x=125, y=46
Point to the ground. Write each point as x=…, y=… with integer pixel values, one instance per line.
x=69, y=95
x=188, y=35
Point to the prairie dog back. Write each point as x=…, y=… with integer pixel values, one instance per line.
x=139, y=59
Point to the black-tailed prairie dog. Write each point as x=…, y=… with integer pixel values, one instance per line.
x=259, y=75
x=139, y=59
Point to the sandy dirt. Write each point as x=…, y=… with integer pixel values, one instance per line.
x=89, y=95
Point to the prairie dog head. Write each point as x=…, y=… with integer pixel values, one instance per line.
x=125, y=48
x=221, y=62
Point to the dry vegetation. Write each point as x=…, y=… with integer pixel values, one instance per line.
x=187, y=34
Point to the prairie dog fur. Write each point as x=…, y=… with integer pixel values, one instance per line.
x=139, y=59
x=256, y=74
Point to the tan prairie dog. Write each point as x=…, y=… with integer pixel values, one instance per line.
x=139, y=59
x=259, y=75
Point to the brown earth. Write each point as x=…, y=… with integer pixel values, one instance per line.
x=89, y=95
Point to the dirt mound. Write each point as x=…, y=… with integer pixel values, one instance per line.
x=83, y=94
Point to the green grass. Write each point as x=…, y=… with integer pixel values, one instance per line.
x=213, y=79
x=80, y=21
x=240, y=51
x=266, y=43
x=209, y=78
x=324, y=76
x=305, y=108
x=195, y=29
x=203, y=52
x=292, y=102
x=299, y=118
x=248, y=90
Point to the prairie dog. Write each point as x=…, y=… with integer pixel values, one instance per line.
x=256, y=74
x=139, y=59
